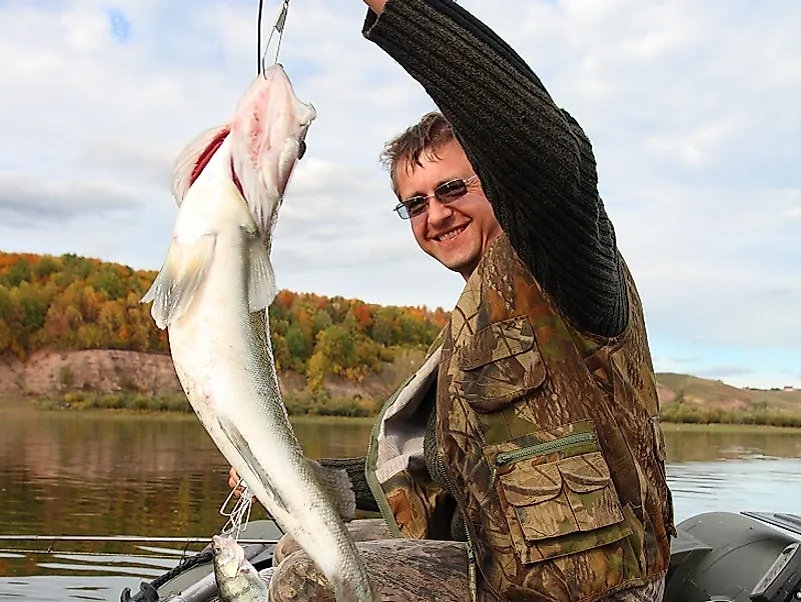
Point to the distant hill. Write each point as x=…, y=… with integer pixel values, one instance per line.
x=683, y=388
x=688, y=398
x=70, y=322
x=69, y=303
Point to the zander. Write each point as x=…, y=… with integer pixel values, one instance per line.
x=212, y=295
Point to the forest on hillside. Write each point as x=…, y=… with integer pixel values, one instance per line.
x=71, y=302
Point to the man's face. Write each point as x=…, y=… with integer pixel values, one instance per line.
x=455, y=234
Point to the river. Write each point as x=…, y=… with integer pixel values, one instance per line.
x=106, y=473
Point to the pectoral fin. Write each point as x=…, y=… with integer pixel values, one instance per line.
x=261, y=278
x=179, y=279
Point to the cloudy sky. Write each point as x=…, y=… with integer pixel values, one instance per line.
x=693, y=109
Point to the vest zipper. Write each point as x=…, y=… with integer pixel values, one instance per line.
x=471, y=567
x=471, y=555
x=504, y=458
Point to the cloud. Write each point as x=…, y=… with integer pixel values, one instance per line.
x=692, y=110
x=28, y=202
x=719, y=372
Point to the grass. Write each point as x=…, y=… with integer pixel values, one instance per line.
x=304, y=403
x=85, y=400
x=685, y=414
x=322, y=404
x=724, y=428
x=297, y=404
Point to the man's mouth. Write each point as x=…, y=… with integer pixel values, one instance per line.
x=450, y=234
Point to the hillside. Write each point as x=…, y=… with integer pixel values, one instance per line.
x=49, y=373
x=71, y=324
x=694, y=391
x=67, y=304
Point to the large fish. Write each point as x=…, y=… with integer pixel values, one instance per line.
x=237, y=579
x=212, y=295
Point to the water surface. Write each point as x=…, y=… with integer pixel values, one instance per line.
x=107, y=474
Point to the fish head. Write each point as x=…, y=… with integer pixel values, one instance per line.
x=268, y=136
x=228, y=556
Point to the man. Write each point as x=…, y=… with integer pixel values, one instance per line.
x=531, y=433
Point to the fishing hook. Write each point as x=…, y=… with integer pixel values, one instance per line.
x=239, y=516
x=277, y=28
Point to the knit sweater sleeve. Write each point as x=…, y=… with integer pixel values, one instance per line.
x=535, y=163
x=358, y=480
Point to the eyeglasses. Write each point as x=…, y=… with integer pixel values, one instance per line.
x=445, y=193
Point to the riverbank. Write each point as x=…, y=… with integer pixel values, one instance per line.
x=324, y=405
x=140, y=382
x=297, y=403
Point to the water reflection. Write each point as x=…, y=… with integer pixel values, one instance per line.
x=700, y=444
x=160, y=475
x=104, y=474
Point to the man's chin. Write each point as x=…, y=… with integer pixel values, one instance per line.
x=460, y=265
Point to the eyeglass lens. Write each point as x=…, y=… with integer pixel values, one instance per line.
x=445, y=193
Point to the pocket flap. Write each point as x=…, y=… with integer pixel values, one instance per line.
x=533, y=485
x=585, y=473
x=497, y=341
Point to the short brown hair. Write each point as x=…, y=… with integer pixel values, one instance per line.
x=425, y=137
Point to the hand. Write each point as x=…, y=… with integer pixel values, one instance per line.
x=233, y=483
x=376, y=5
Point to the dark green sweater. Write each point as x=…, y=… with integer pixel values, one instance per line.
x=535, y=163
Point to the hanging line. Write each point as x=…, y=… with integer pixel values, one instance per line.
x=277, y=28
x=239, y=516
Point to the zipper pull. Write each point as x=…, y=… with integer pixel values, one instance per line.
x=471, y=571
x=500, y=460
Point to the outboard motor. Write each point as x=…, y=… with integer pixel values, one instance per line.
x=725, y=557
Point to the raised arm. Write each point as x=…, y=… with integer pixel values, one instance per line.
x=535, y=163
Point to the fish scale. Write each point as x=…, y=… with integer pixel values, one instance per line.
x=212, y=295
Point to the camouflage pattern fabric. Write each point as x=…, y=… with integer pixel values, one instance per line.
x=652, y=592
x=541, y=429
x=402, y=570
x=366, y=529
x=550, y=440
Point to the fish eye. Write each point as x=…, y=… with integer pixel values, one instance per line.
x=301, y=149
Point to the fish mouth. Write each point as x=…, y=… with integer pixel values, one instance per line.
x=236, y=180
x=207, y=154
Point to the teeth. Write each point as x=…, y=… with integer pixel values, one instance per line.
x=449, y=235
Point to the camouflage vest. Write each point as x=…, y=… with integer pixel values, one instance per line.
x=551, y=443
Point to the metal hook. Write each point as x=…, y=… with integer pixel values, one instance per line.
x=239, y=516
x=277, y=28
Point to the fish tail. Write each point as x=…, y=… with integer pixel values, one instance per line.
x=180, y=278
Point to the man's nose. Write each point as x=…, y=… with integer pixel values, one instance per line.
x=438, y=211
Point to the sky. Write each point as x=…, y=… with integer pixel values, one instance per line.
x=692, y=107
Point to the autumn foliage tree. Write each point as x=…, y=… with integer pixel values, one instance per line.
x=72, y=302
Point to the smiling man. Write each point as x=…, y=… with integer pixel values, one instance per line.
x=530, y=435
x=451, y=218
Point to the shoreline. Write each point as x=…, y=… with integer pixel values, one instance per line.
x=744, y=422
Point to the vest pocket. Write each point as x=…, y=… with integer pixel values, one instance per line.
x=557, y=505
x=498, y=364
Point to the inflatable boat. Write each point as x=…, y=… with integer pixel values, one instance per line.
x=717, y=557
